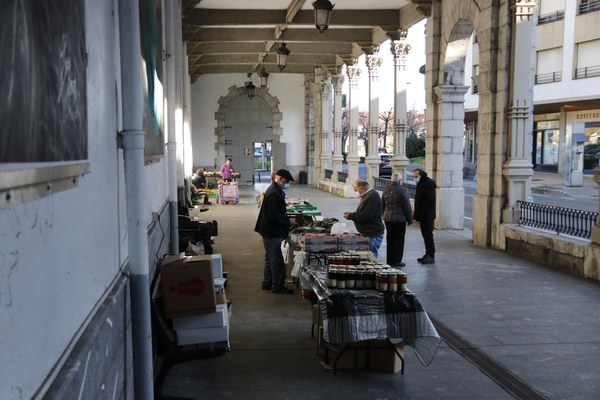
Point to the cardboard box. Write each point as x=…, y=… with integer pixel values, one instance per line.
x=212, y=320
x=202, y=335
x=375, y=355
x=187, y=285
x=217, y=263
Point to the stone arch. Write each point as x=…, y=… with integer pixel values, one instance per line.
x=448, y=31
x=226, y=101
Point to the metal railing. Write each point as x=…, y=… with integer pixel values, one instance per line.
x=382, y=183
x=563, y=220
x=589, y=6
x=342, y=176
x=328, y=173
x=587, y=72
x=548, y=77
x=555, y=16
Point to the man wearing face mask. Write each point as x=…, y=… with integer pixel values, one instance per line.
x=368, y=215
x=425, y=212
x=273, y=225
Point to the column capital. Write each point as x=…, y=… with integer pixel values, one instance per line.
x=400, y=52
x=374, y=62
x=338, y=82
x=353, y=72
x=523, y=9
x=451, y=93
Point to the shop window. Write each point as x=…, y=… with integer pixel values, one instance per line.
x=546, y=145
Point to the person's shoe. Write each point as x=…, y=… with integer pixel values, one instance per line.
x=267, y=286
x=283, y=290
x=399, y=265
x=428, y=260
x=422, y=258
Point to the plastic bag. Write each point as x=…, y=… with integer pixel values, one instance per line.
x=285, y=250
x=195, y=248
x=341, y=227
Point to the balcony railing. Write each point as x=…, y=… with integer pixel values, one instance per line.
x=563, y=220
x=548, y=77
x=382, y=183
x=589, y=6
x=587, y=72
x=555, y=16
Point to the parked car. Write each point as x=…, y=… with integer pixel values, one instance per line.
x=591, y=156
x=385, y=169
x=384, y=154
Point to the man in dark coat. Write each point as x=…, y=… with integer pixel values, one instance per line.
x=367, y=217
x=397, y=212
x=273, y=225
x=425, y=212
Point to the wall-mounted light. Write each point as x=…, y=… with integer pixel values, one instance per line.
x=322, y=14
x=282, y=55
x=263, y=77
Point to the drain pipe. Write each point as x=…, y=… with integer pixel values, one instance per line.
x=133, y=138
x=172, y=102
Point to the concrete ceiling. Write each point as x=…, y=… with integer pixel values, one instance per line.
x=237, y=36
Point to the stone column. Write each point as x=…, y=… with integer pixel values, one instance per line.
x=353, y=159
x=318, y=124
x=400, y=50
x=326, y=124
x=374, y=62
x=448, y=162
x=338, y=81
x=517, y=169
x=591, y=266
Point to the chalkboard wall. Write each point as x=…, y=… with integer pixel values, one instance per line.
x=43, y=110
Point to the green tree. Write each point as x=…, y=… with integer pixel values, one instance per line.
x=415, y=134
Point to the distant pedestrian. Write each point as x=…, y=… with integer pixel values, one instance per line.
x=368, y=215
x=227, y=170
x=425, y=212
x=397, y=213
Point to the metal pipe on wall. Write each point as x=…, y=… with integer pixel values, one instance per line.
x=173, y=104
x=135, y=191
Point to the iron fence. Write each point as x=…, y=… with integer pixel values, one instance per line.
x=563, y=220
x=342, y=176
x=381, y=183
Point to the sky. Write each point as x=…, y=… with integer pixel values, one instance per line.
x=414, y=79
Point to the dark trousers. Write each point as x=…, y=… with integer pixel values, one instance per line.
x=395, y=241
x=274, y=273
x=427, y=233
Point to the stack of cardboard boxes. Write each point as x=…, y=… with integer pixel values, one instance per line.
x=193, y=291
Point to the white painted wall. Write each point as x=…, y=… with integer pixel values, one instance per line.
x=206, y=92
x=60, y=254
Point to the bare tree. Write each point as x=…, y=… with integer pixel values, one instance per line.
x=386, y=117
x=345, y=129
x=363, y=130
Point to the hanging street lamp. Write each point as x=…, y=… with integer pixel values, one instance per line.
x=282, y=55
x=263, y=77
x=322, y=14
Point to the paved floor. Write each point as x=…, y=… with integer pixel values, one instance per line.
x=539, y=324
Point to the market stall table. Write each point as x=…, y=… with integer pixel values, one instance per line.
x=353, y=316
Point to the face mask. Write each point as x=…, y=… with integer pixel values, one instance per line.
x=286, y=185
x=417, y=180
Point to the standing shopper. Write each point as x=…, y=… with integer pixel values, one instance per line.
x=425, y=212
x=227, y=170
x=367, y=217
x=273, y=225
x=396, y=214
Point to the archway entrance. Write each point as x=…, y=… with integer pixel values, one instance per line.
x=249, y=132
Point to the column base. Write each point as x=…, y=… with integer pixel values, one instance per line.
x=452, y=214
x=591, y=263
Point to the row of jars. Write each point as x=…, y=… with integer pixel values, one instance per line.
x=351, y=277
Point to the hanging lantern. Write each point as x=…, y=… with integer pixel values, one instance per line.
x=322, y=14
x=282, y=55
x=251, y=89
x=263, y=77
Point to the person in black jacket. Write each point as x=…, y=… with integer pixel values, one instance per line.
x=425, y=212
x=367, y=217
x=397, y=212
x=273, y=225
